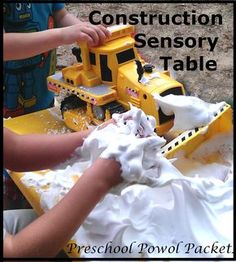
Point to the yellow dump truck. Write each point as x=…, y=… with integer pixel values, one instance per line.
x=109, y=77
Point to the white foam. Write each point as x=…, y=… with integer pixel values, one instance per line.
x=145, y=80
x=116, y=27
x=189, y=111
x=185, y=202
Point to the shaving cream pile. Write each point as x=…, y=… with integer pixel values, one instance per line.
x=189, y=111
x=162, y=209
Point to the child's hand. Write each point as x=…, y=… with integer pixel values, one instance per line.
x=84, y=32
x=108, y=122
x=112, y=177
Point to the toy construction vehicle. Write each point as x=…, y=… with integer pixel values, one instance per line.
x=108, y=78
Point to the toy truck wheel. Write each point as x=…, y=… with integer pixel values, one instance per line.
x=99, y=112
x=71, y=102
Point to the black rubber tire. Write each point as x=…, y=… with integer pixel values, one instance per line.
x=71, y=102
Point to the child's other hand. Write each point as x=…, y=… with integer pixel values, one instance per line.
x=108, y=170
x=85, y=32
x=108, y=122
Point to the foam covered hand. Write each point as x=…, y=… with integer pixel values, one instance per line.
x=137, y=157
x=131, y=141
x=135, y=122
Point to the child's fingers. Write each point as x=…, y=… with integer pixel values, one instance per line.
x=95, y=34
x=84, y=37
x=101, y=35
x=108, y=122
x=92, y=33
x=102, y=32
x=105, y=30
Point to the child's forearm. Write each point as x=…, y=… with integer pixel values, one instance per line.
x=37, y=152
x=25, y=45
x=69, y=20
x=63, y=18
x=56, y=227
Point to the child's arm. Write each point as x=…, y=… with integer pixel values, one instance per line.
x=25, y=45
x=94, y=34
x=39, y=151
x=63, y=18
x=48, y=234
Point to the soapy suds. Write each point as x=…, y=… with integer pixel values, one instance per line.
x=53, y=131
x=146, y=79
x=223, y=143
x=189, y=111
x=184, y=201
x=55, y=112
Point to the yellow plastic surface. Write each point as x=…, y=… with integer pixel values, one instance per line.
x=30, y=193
x=36, y=123
x=77, y=119
x=188, y=141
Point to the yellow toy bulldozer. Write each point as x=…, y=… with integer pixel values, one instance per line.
x=109, y=77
